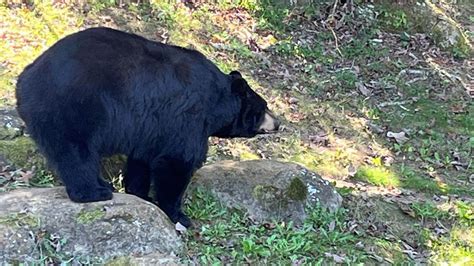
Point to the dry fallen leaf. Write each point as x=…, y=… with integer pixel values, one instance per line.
x=332, y=226
x=320, y=139
x=376, y=257
x=335, y=257
x=180, y=228
x=407, y=210
x=26, y=176
x=359, y=245
x=399, y=137
x=269, y=225
x=351, y=170
x=363, y=89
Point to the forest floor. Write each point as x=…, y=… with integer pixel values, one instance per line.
x=382, y=112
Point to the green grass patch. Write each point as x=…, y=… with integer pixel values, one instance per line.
x=465, y=212
x=363, y=47
x=390, y=250
x=347, y=79
x=377, y=175
x=413, y=181
x=228, y=235
x=271, y=15
x=426, y=210
x=454, y=248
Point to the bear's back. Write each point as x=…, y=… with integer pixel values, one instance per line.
x=93, y=82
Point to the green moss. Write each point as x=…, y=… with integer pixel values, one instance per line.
x=244, y=156
x=20, y=220
x=461, y=49
x=21, y=152
x=89, y=216
x=120, y=261
x=297, y=190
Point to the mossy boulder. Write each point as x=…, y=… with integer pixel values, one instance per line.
x=15, y=148
x=435, y=18
x=42, y=224
x=445, y=30
x=21, y=152
x=267, y=190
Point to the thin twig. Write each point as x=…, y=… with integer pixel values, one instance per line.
x=334, y=7
x=335, y=39
x=333, y=16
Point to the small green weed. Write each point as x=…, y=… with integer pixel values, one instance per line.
x=391, y=250
x=287, y=47
x=43, y=178
x=271, y=16
x=363, y=47
x=49, y=246
x=465, y=212
x=204, y=207
x=347, y=79
x=99, y=5
x=394, y=19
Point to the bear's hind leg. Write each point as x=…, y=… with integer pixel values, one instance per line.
x=171, y=177
x=137, y=178
x=79, y=169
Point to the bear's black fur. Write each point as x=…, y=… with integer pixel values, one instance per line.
x=101, y=91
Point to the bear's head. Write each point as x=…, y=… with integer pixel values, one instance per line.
x=253, y=118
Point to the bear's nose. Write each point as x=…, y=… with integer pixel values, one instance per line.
x=269, y=123
x=277, y=124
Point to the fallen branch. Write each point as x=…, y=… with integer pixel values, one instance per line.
x=384, y=104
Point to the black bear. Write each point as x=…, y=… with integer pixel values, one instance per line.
x=101, y=91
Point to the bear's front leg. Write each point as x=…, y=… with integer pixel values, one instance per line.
x=137, y=178
x=171, y=177
x=79, y=170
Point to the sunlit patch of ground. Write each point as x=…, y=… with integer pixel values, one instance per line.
x=408, y=194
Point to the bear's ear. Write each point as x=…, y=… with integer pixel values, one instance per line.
x=239, y=87
x=235, y=74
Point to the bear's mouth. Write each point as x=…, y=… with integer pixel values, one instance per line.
x=266, y=131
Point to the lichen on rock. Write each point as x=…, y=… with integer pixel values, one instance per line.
x=86, y=216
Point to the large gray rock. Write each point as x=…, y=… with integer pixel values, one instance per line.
x=434, y=18
x=43, y=223
x=267, y=189
x=11, y=125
